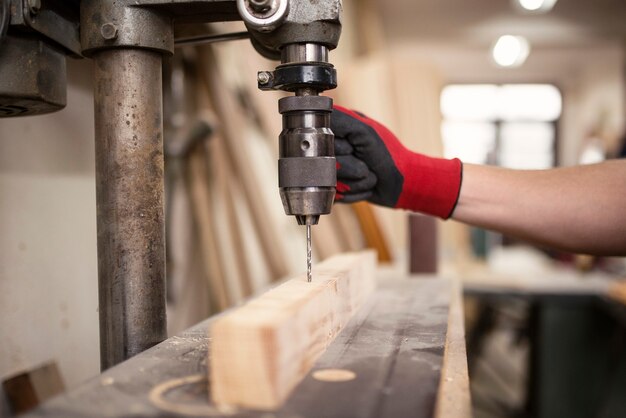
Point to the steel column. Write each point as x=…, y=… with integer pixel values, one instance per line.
x=129, y=189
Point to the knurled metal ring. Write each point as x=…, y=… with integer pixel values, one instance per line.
x=300, y=103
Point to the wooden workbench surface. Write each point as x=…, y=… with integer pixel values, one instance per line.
x=395, y=348
x=554, y=284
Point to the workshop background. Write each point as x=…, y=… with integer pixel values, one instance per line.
x=427, y=70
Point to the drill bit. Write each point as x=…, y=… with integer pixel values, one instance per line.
x=308, y=252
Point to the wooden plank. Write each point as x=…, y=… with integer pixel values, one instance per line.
x=394, y=344
x=453, y=399
x=233, y=123
x=262, y=350
x=26, y=390
x=371, y=230
x=213, y=260
x=224, y=180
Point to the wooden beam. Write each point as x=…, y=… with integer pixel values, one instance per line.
x=234, y=123
x=453, y=398
x=26, y=390
x=370, y=226
x=213, y=259
x=260, y=351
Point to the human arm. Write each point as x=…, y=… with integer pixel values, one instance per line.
x=580, y=209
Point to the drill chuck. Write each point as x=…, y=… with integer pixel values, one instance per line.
x=307, y=173
x=306, y=167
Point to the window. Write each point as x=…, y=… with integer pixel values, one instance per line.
x=511, y=125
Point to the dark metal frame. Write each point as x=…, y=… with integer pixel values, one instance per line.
x=127, y=39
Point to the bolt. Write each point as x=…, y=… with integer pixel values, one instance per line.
x=108, y=31
x=264, y=77
x=260, y=6
x=34, y=6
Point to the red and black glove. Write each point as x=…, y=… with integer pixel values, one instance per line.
x=373, y=165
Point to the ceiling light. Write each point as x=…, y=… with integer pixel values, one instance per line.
x=510, y=51
x=537, y=5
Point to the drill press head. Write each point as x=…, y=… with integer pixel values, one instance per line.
x=301, y=34
x=306, y=167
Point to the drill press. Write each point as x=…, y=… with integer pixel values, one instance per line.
x=127, y=39
x=306, y=166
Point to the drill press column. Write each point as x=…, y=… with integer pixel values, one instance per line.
x=127, y=44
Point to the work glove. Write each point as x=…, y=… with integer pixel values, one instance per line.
x=373, y=165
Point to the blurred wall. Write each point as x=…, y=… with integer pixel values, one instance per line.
x=594, y=105
x=48, y=264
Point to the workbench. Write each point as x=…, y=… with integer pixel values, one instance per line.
x=577, y=338
x=405, y=347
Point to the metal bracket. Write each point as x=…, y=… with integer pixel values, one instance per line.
x=57, y=21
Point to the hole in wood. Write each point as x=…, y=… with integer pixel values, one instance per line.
x=334, y=375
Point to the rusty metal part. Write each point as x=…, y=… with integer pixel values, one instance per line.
x=211, y=38
x=305, y=22
x=112, y=23
x=129, y=187
x=193, y=11
x=146, y=23
x=56, y=21
x=32, y=77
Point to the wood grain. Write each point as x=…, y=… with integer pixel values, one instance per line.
x=211, y=250
x=371, y=230
x=453, y=398
x=260, y=351
x=234, y=121
x=394, y=345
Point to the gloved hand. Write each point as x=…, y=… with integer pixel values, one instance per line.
x=373, y=165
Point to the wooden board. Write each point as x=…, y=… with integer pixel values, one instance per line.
x=372, y=232
x=395, y=348
x=454, y=398
x=28, y=389
x=233, y=129
x=262, y=350
x=211, y=250
x=394, y=345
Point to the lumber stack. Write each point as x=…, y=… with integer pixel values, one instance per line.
x=260, y=351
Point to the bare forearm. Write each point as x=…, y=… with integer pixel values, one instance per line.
x=579, y=209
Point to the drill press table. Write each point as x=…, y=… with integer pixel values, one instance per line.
x=405, y=347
